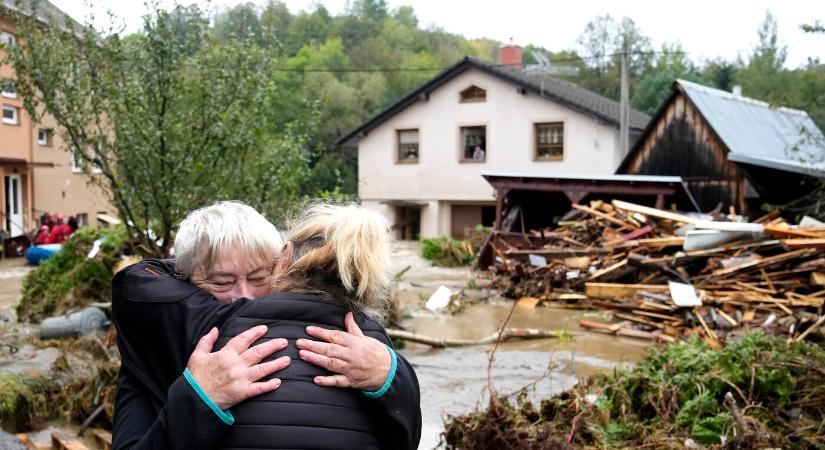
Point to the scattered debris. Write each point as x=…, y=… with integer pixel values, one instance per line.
x=669, y=275
x=440, y=299
x=758, y=391
x=75, y=324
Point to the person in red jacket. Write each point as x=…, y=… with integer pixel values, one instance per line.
x=43, y=235
x=60, y=231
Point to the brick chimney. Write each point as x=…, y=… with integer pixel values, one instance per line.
x=510, y=56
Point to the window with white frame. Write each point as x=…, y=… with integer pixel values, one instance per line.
x=9, y=115
x=44, y=137
x=8, y=89
x=7, y=38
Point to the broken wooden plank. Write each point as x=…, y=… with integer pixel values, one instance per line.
x=653, y=212
x=811, y=328
x=27, y=442
x=707, y=329
x=763, y=262
x=559, y=252
x=647, y=229
x=604, y=216
x=618, y=290
x=670, y=241
x=804, y=243
x=607, y=328
x=781, y=232
x=725, y=316
x=103, y=439
x=64, y=441
x=599, y=273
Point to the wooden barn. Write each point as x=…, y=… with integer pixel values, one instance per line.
x=730, y=150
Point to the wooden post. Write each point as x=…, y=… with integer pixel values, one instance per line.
x=660, y=201
x=500, y=195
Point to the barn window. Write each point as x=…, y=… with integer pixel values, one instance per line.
x=473, y=94
x=549, y=141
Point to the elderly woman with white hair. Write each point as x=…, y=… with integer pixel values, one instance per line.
x=160, y=318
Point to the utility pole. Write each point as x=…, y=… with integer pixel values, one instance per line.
x=624, y=109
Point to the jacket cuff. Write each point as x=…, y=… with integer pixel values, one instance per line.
x=224, y=415
x=390, y=377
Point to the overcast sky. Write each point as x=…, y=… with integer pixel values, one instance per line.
x=706, y=29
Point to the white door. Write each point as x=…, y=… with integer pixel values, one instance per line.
x=14, y=205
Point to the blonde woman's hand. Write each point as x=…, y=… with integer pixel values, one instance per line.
x=359, y=361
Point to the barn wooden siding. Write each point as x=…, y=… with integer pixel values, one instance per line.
x=683, y=144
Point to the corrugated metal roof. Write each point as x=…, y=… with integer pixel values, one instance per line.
x=756, y=133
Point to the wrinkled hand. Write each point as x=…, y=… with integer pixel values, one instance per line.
x=361, y=362
x=230, y=375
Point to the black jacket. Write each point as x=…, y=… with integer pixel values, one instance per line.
x=159, y=320
x=286, y=418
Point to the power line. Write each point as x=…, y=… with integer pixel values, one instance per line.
x=439, y=69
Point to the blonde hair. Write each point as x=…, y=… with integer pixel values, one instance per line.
x=341, y=251
x=208, y=232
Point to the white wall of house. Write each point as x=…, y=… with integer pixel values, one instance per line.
x=441, y=177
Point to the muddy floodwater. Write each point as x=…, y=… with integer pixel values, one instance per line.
x=454, y=380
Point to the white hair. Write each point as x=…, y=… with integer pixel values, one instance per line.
x=227, y=225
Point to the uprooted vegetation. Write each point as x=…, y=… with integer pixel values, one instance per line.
x=448, y=252
x=674, y=399
x=80, y=380
x=69, y=279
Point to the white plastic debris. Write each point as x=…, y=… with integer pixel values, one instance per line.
x=440, y=299
x=683, y=294
x=537, y=260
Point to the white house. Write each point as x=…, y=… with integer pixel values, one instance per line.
x=420, y=160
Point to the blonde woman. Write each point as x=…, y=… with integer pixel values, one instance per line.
x=338, y=266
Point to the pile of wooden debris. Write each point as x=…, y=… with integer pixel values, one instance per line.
x=667, y=276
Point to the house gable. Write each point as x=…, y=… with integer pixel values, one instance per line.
x=558, y=91
x=679, y=141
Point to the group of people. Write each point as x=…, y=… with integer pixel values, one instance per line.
x=53, y=230
x=250, y=339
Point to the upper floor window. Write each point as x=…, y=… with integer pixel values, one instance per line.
x=9, y=115
x=7, y=38
x=407, y=146
x=44, y=137
x=474, y=141
x=550, y=141
x=77, y=162
x=8, y=88
x=473, y=94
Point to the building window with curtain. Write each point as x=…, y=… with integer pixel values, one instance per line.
x=549, y=141
x=407, y=143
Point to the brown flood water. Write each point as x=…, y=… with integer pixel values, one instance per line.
x=454, y=380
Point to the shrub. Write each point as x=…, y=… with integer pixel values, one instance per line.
x=69, y=279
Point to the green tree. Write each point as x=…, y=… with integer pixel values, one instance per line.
x=654, y=87
x=171, y=116
x=764, y=77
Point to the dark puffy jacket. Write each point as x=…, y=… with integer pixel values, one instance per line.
x=301, y=414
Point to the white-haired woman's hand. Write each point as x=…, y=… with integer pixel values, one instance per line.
x=360, y=362
x=230, y=375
